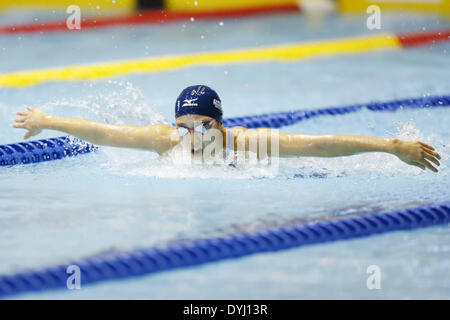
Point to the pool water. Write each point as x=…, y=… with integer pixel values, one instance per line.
x=119, y=199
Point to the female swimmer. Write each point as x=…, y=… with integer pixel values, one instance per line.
x=198, y=112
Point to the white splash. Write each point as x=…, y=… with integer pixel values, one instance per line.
x=120, y=103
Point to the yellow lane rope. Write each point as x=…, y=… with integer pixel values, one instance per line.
x=285, y=52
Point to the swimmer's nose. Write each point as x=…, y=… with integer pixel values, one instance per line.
x=196, y=140
x=193, y=141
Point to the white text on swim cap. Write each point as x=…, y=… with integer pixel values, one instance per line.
x=190, y=102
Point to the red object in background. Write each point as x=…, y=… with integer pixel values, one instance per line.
x=146, y=17
x=419, y=38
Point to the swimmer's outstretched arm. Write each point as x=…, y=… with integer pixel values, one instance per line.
x=159, y=138
x=414, y=153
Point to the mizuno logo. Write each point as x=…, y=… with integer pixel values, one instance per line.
x=190, y=102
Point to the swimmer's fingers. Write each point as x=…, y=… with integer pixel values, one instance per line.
x=427, y=146
x=417, y=164
x=22, y=125
x=429, y=165
x=418, y=154
x=27, y=135
x=19, y=125
x=29, y=121
x=431, y=158
x=434, y=154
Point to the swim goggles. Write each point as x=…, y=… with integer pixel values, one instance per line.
x=201, y=128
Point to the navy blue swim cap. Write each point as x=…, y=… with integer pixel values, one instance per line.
x=201, y=100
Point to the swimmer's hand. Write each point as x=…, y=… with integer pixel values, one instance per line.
x=416, y=153
x=31, y=121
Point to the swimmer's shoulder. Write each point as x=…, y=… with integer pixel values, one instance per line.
x=164, y=131
x=236, y=130
x=166, y=135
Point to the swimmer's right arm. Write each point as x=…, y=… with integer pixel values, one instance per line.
x=159, y=138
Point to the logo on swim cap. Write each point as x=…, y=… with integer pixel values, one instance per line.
x=217, y=104
x=201, y=100
x=189, y=103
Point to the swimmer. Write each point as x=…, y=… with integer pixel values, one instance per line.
x=198, y=112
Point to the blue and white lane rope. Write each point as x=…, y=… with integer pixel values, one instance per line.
x=43, y=150
x=281, y=119
x=197, y=252
x=58, y=148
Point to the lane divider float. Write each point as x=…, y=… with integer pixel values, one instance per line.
x=196, y=252
x=281, y=53
x=148, y=17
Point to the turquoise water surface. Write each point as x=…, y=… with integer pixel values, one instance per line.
x=118, y=199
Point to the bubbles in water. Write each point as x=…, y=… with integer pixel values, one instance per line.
x=409, y=131
x=115, y=102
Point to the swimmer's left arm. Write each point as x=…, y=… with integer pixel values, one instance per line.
x=414, y=153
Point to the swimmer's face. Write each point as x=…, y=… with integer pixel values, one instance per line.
x=193, y=139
